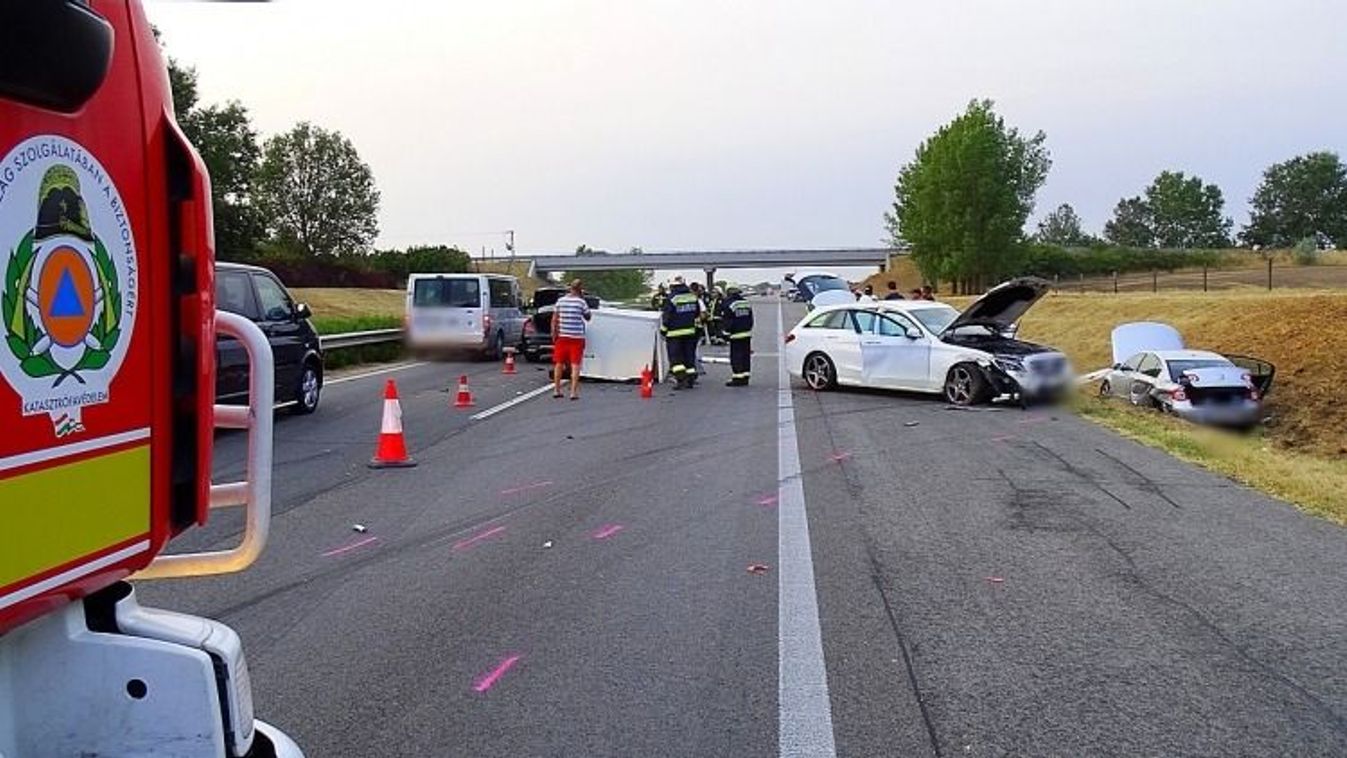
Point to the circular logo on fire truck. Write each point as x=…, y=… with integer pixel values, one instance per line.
x=68, y=262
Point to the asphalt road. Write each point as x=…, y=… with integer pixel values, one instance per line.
x=572, y=579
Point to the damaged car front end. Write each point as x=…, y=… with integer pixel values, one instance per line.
x=1012, y=369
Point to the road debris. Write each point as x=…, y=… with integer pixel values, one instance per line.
x=758, y=568
x=995, y=579
x=547, y=544
x=360, y=528
x=911, y=423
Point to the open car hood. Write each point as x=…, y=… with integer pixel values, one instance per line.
x=1144, y=337
x=1002, y=305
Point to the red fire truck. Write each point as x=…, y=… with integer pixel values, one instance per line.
x=107, y=376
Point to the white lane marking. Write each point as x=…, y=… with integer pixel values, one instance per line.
x=804, y=719
x=38, y=588
x=73, y=448
x=376, y=372
x=493, y=410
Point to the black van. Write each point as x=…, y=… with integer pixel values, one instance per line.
x=257, y=294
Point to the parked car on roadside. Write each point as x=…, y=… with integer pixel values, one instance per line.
x=1152, y=368
x=925, y=346
x=536, y=343
x=255, y=293
x=474, y=312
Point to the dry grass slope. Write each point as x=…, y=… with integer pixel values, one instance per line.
x=348, y=303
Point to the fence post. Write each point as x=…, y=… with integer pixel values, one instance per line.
x=1204, y=277
x=1269, y=273
x=1082, y=281
x=1056, y=280
x=1155, y=281
x=1115, y=282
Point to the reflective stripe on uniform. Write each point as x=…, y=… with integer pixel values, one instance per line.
x=743, y=375
x=677, y=368
x=680, y=332
x=741, y=335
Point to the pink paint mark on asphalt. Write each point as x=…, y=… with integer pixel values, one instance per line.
x=473, y=540
x=839, y=457
x=607, y=530
x=488, y=680
x=525, y=488
x=350, y=547
x=768, y=501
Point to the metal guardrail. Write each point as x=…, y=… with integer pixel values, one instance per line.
x=356, y=339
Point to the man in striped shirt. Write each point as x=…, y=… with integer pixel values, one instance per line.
x=569, y=317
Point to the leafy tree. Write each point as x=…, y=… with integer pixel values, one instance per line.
x=1305, y=197
x=227, y=142
x=316, y=193
x=1062, y=227
x=1176, y=211
x=1131, y=225
x=621, y=284
x=1187, y=213
x=961, y=204
x=182, y=82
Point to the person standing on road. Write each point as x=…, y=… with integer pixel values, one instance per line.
x=737, y=315
x=893, y=293
x=679, y=322
x=569, y=318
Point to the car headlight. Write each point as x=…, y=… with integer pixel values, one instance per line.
x=1009, y=365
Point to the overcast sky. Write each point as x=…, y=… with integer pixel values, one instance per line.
x=679, y=124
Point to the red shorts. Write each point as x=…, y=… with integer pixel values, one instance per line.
x=568, y=350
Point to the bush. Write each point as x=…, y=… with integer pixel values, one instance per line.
x=1306, y=252
x=1102, y=260
x=382, y=269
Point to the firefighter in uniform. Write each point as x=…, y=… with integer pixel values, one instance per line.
x=679, y=319
x=737, y=315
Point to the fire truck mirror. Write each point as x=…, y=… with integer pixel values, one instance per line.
x=53, y=53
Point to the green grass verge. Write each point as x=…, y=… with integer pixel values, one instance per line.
x=1315, y=485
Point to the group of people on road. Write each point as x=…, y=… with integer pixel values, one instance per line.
x=686, y=311
x=867, y=295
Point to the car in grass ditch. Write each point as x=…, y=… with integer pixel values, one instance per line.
x=1152, y=368
x=969, y=357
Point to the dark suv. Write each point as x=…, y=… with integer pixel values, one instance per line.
x=257, y=294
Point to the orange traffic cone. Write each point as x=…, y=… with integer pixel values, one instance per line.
x=464, y=399
x=509, y=361
x=392, y=449
x=647, y=383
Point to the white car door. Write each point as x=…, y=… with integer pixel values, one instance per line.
x=843, y=345
x=895, y=354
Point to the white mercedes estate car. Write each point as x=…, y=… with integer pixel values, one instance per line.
x=918, y=345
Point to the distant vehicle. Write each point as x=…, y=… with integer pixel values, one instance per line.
x=536, y=344
x=926, y=346
x=256, y=294
x=1197, y=385
x=818, y=288
x=475, y=312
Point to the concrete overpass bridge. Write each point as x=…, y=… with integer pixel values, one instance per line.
x=711, y=260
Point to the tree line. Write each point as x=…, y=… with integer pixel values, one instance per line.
x=302, y=202
x=961, y=206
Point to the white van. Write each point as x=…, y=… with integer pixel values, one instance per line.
x=464, y=311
